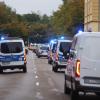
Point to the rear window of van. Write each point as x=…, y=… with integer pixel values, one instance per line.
x=65, y=46
x=44, y=48
x=11, y=47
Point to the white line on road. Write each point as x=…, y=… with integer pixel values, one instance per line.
x=39, y=96
x=37, y=83
x=35, y=72
x=36, y=76
x=55, y=90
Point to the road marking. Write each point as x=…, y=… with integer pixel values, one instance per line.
x=36, y=76
x=39, y=96
x=35, y=72
x=55, y=90
x=50, y=82
x=37, y=83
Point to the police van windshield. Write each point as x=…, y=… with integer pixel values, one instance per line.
x=65, y=46
x=11, y=47
x=44, y=48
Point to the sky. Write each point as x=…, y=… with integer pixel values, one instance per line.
x=29, y=6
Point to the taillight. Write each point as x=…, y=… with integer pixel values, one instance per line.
x=77, y=68
x=25, y=58
x=56, y=56
x=51, y=54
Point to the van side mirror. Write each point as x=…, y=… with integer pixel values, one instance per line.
x=72, y=53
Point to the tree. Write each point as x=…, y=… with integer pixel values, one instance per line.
x=28, y=25
x=69, y=18
x=31, y=18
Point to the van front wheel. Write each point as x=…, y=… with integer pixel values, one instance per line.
x=74, y=95
x=24, y=69
x=54, y=67
x=98, y=93
x=1, y=71
x=66, y=89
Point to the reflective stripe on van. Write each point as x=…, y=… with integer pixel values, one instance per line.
x=11, y=58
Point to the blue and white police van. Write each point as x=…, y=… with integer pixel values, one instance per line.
x=12, y=54
x=60, y=52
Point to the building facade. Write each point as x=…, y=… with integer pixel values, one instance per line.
x=92, y=15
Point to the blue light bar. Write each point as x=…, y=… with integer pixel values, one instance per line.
x=80, y=31
x=62, y=37
x=2, y=38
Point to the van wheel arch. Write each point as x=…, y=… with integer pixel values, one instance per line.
x=24, y=68
x=54, y=67
x=74, y=92
x=97, y=93
x=74, y=95
x=66, y=89
x=1, y=71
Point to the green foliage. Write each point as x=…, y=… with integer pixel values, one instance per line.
x=69, y=18
x=9, y=22
x=31, y=18
x=25, y=25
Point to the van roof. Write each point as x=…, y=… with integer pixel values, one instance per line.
x=64, y=40
x=87, y=34
x=12, y=38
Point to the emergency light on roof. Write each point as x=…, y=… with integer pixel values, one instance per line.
x=62, y=37
x=2, y=38
x=80, y=31
x=51, y=41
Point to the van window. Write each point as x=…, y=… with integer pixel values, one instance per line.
x=54, y=46
x=74, y=42
x=65, y=46
x=91, y=48
x=44, y=48
x=11, y=47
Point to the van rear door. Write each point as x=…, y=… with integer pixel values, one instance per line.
x=90, y=61
x=12, y=51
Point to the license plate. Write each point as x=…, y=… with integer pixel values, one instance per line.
x=63, y=62
x=91, y=81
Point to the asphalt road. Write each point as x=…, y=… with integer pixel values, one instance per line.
x=39, y=83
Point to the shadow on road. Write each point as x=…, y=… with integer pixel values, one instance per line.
x=90, y=97
x=60, y=72
x=42, y=57
x=87, y=97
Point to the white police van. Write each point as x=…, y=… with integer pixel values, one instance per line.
x=12, y=54
x=60, y=54
x=83, y=66
x=50, y=51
